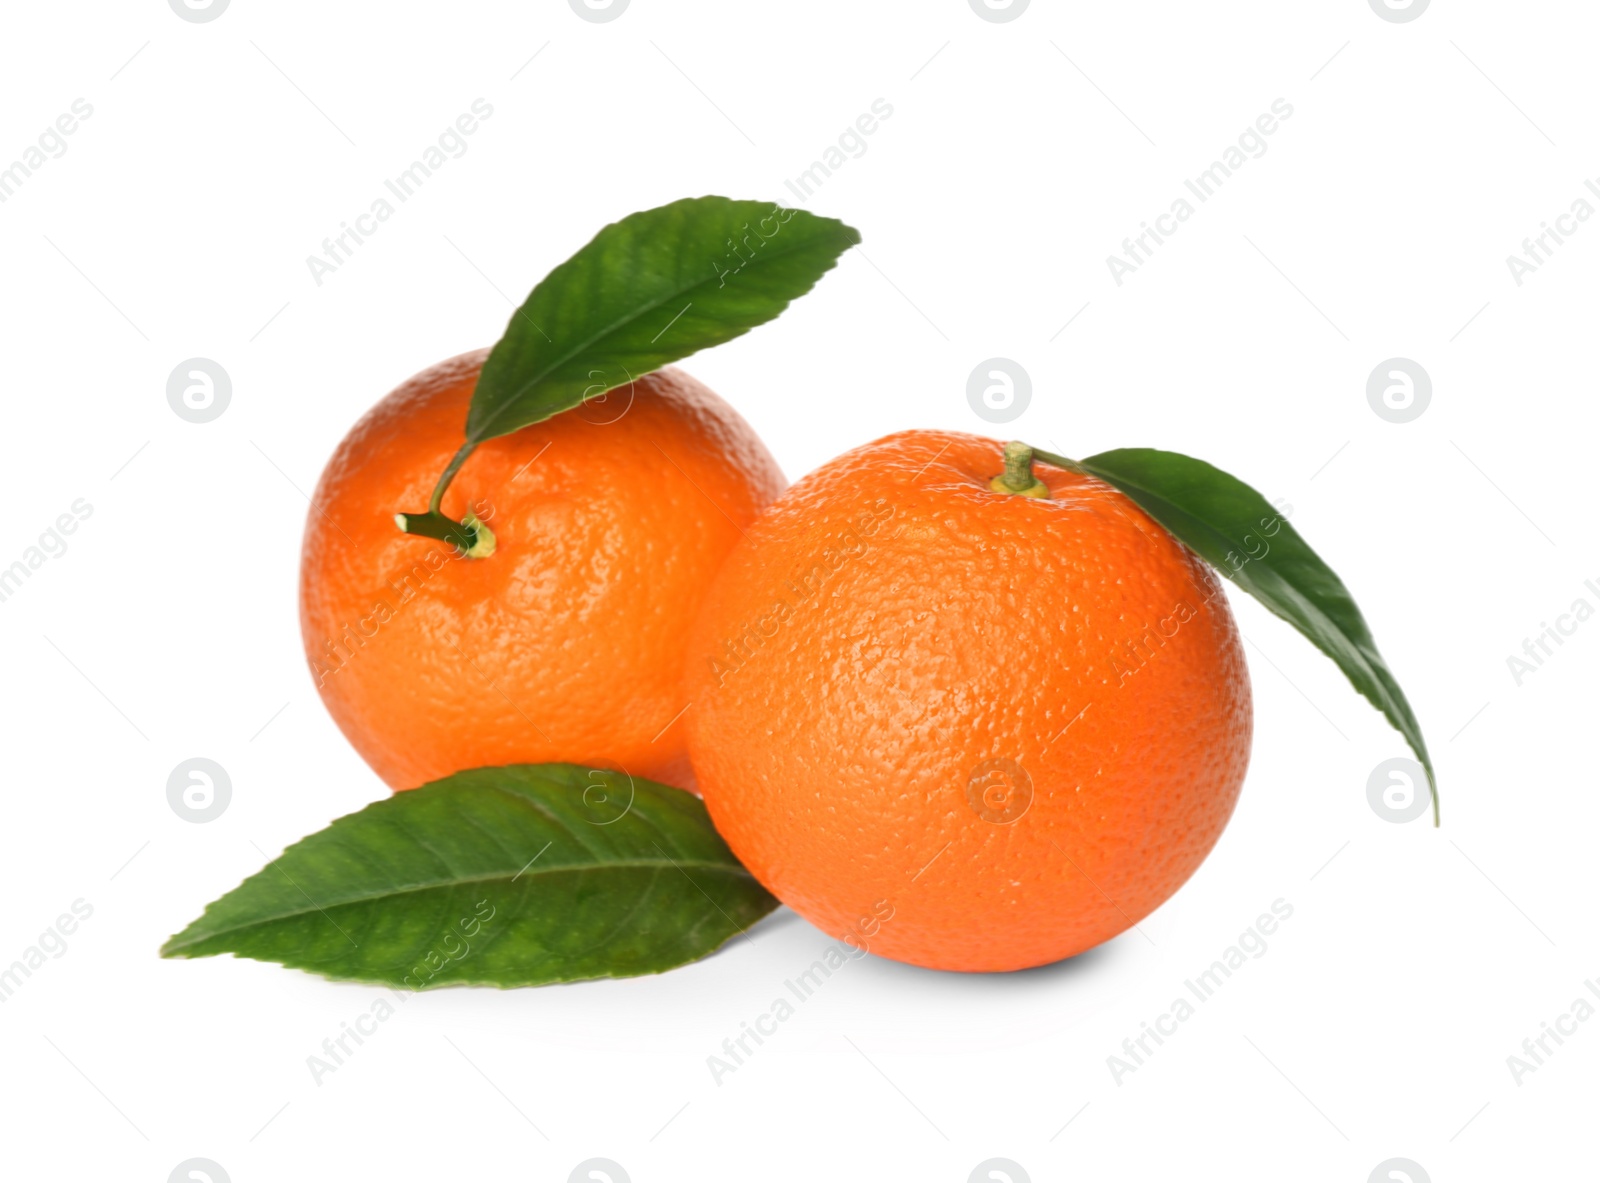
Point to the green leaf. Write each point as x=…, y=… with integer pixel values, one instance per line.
x=1237, y=531
x=647, y=290
x=514, y=876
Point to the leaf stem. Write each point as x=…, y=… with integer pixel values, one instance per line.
x=1058, y=461
x=449, y=474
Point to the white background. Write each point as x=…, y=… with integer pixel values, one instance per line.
x=1019, y=155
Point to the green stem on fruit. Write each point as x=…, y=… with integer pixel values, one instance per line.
x=1018, y=479
x=469, y=536
x=449, y=474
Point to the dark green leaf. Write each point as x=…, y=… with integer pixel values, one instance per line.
x=513, y=876
x=647, y=290
x=1237, y=531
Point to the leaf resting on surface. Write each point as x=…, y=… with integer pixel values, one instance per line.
x=514, y=876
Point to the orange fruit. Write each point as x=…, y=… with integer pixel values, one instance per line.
x=960, y=727
x=568, y=642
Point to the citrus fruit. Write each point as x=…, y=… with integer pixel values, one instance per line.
x=965, y=723
x=567, y=642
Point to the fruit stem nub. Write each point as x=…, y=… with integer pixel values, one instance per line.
x=1019, y=478
x=470, y=536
